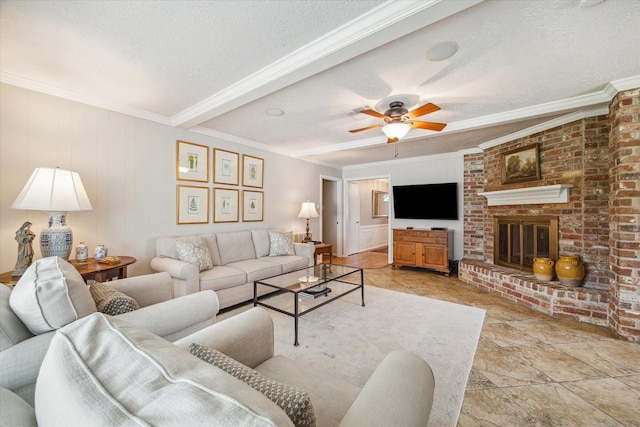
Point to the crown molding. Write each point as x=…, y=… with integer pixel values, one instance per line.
x=395, y=162
x=238, y=140
x=616, y=86
x=36, y=86
x=559, y=121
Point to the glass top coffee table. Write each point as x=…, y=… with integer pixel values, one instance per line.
x=311, y=288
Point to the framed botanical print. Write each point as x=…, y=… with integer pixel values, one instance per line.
x=192, y=162
x=520, y=164
x=225, y=205
x=252, y=206
x=192, y=204
x=225, y=167
x=252, y=171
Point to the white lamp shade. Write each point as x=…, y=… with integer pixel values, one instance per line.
x=308, y=210
x=53, y=190
x=396, y=130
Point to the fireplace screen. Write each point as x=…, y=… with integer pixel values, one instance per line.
x=518, y=240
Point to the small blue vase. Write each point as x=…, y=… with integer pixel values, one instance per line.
x=100, y=252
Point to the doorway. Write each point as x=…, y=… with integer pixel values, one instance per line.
x=331, y=225
x=353, y=218
x=366, y=226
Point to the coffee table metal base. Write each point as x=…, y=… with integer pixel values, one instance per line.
x=295, y=290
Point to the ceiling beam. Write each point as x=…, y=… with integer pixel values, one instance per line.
x=381, y=25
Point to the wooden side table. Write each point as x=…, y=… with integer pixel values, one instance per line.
x=323, y=248
x=89, y=270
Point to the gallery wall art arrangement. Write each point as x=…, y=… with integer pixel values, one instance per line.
x=192, y=201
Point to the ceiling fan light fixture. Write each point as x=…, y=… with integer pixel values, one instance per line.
x=396, y=130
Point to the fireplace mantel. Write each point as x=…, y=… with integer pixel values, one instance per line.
x=528, y=196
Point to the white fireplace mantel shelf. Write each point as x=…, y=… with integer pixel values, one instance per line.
x=529, y=196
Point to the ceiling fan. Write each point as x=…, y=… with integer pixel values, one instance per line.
x=399, y=120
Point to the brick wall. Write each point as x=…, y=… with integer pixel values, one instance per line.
x=600, y=157
x=576, y=154
x=474, y=206
x=624, y=212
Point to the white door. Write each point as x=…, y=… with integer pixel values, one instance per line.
x=353, y=219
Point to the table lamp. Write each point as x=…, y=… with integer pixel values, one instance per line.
x=308, y=210
x=56, y=191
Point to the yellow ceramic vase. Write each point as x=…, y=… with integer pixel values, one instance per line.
x=543, y=269
x=570, y=270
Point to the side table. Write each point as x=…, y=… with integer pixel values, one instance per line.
x=323, y=248
x=90, y=269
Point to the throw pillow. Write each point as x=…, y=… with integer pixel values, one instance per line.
x=295, y=402
x=195, y=251
x=104, y=371
x=110, y=300
x=50, y=294
x=281, y=243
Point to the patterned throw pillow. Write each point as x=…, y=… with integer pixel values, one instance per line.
x=281, y=243
x=295, y=402
x=110, y=300
x=195, y=251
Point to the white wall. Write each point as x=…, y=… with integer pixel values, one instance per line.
x=128, y=168
x=423, y=170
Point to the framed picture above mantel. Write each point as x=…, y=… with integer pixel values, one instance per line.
x=520, y=164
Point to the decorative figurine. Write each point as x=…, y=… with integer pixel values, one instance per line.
x=24, y=237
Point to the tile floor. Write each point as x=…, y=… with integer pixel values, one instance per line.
x=531, y=369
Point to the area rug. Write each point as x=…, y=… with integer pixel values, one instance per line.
x=347, y=340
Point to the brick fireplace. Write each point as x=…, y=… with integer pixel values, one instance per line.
x=598, y=160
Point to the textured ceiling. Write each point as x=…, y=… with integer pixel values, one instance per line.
x=217, y=66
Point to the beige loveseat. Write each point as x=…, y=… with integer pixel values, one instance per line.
x=236, y=258
x=141, y=379
x=22, y=351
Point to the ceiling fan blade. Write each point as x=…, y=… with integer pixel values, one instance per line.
x=367, y=128
x=421, y=111
x=428, y=125
x=374, y=113
x=390, y=140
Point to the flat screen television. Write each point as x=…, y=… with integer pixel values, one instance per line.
x=426, y=201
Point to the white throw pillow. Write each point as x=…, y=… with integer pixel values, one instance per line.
x=281, y=243
x=51, y=294
x=103, y=371
x=196, y=251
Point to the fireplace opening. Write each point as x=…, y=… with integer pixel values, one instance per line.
x=520, y=239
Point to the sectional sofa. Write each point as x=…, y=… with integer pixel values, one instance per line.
x=114, y=373
x=54, y=294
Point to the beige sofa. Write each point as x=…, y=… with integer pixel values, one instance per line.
x=22, y=352
x=141, y=379
x=238, y=259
